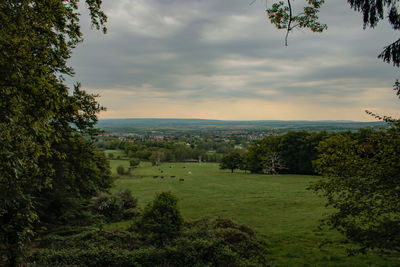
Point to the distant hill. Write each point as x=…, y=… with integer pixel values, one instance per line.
x=126, y=125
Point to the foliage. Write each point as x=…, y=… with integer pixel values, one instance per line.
x=82, y=173
x=281, y=15
x=294, y=152
x=172, y=151
x=298, y=151
x=121, y=170
x=362, y=174
x=258, y=150
x=134, y=162
x=273, y=163
x=231, y=161
x=160, y=221
x=203, y=242
x=361, y=171
x=373, y=12
x=116, y=207
x=36, y=109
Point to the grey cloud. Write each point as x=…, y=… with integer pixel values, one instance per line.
x=209, y=43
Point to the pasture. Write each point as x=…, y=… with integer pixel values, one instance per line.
x=279, y=208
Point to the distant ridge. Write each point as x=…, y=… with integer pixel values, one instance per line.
x=176, y=123
x=182, y=120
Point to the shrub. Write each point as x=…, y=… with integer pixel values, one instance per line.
x=200, y=243
x=121, y=170
x=161, y=220
x=158, y=238
x=120, y=206
x=134, y=162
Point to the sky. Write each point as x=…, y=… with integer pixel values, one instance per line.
x=223, y=60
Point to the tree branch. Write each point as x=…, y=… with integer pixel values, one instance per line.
x=289, y=23
x=391, y=53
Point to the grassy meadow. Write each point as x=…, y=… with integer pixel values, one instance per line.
x=279, y=208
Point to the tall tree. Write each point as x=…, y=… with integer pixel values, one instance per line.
x=36, y=109
x=361, y=181
x=362, y=173
x=231, y=161
x=273, y=163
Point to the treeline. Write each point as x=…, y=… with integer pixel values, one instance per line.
x=169, y=151
x=295, y=152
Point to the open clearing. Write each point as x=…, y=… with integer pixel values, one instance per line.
x=279, y=208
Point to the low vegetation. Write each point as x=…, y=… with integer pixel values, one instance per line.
x=158, y=237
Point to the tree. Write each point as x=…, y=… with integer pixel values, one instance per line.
x=244, y=165
x=231, y=161
x=161, y=220
x=361, y=181
x=81, y=174
x=272, y=163
x=362, y=174
x=257, y=150
x=121, y=170
x=298, y=150
x=36, y=109
x=134, y=162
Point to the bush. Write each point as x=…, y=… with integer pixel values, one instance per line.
x=121, y=170
x=120, y=206
x=158, y=238
x=201, y=243
x=134, y=162
x=161, y=220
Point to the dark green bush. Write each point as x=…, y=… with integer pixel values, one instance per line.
x=119, y=206
x=161, y=220
x=159, y=237
x=121, y=170
x=134, y=162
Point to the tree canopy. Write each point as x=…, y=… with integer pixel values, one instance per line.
x=361, y=171
x=231, y=161
x=362, y=174
x=38, y=114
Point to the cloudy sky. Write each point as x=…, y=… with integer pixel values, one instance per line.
x=223, y=60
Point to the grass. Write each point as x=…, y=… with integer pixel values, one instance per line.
x=117, y=153
x=279, y=208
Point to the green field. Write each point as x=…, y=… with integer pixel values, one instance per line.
x=279, y=208
x=116, y=153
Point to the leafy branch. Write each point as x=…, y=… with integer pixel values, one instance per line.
x=281, y=15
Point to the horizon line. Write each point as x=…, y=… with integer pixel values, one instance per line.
x=250, y=120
